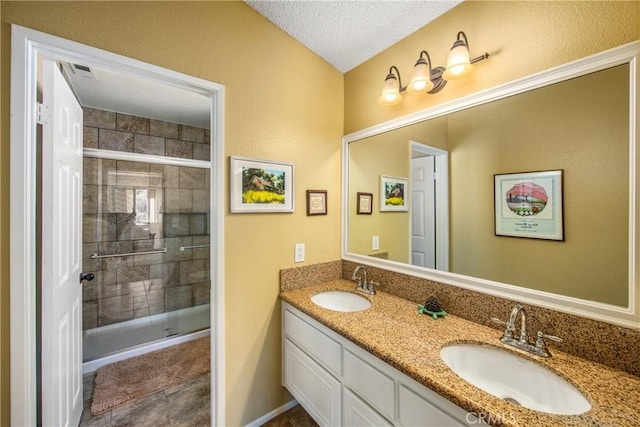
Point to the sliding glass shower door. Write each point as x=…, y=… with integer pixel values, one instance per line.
x=146, y=230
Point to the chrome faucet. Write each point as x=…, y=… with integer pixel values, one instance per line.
x=539, y=348
x=364, y=285
x=511, y=326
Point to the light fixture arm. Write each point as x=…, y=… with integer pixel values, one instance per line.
x=466, y=42
x=464, y=36
x=479, y=58
x=425, y=53
x=393, y=67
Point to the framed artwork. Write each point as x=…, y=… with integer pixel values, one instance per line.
x=365, y=203
x=393, y=194
x=316, y=202
x=261, y=186
x=529, y=204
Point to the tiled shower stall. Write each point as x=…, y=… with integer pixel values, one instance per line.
x=131, y=207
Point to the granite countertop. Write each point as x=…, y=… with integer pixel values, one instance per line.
x=392, y=330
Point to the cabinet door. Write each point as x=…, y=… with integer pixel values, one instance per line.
x=356, y=413
x=370, y=383
x=313, y=342
x=415, y=410
x=314, y=388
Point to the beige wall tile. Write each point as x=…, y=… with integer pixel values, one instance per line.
x=193, y=178
x=115, y=140
x=89, y=137
x=190, y=133
x=147, y=144
x=164, y=129
x=178, y=297
x=98, y=118
x=133, y=124
x=176, y=148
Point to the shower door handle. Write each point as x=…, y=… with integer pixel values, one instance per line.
x=87, y=276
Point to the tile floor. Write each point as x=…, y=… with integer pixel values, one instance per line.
x=294, y=417
x=185, y=405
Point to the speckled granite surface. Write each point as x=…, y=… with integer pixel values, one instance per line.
x=393, y=330
x=596, y=341
x=309, y=275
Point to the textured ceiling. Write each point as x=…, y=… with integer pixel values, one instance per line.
x=347, y=33
x=344, y=33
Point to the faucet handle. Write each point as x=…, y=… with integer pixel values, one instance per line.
x=508, y=330
x=508, y=325
x=541, y=346
x=499, y=321
x=370, y=287
x=541, y=335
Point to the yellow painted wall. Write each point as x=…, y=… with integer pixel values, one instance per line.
x=282, y=103
x=537, y=131
x=366, y=163
x=386, y=154
x=522, y=37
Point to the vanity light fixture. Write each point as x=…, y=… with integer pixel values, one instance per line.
x=429, y=79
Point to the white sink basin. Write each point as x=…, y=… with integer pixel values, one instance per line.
x=341, y=301
x=515, y=379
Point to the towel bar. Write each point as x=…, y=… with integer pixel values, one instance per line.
x=182, y=248
x=159, y=251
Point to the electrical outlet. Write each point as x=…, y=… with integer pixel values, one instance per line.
x=375, y=243
x=299, y=252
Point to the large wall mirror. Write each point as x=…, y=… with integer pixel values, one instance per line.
x=578, y=122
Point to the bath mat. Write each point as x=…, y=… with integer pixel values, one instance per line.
x=140, y=376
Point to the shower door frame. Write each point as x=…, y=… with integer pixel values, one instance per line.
x=27, y=46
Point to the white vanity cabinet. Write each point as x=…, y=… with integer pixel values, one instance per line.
x=314, y=388
x=338, y=383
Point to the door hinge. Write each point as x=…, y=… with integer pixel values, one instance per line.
x=435, y=176
x=43, y=114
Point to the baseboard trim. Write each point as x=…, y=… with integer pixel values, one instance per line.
x=271, y=415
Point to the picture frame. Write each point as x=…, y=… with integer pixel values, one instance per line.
x=364, y=203
x=316, y=202
x=261, y=186
x=529, y=205
x=393, y=194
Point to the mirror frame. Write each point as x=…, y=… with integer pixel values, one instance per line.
x=623, y=316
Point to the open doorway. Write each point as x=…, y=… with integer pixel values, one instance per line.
x=137, y=205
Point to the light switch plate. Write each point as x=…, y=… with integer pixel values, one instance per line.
x=299, y=252
x=375, y=243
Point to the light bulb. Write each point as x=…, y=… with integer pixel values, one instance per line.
x=458, y=63
x=390, y=91
x=421, y=78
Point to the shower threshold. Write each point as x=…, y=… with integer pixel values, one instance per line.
x=119, y=341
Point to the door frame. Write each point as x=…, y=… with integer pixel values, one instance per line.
x=26, y=47
x=441, y=159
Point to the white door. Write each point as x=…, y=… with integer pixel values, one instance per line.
x=423, y=208
x=61, y=251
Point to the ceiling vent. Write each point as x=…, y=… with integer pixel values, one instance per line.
x=82, y=71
